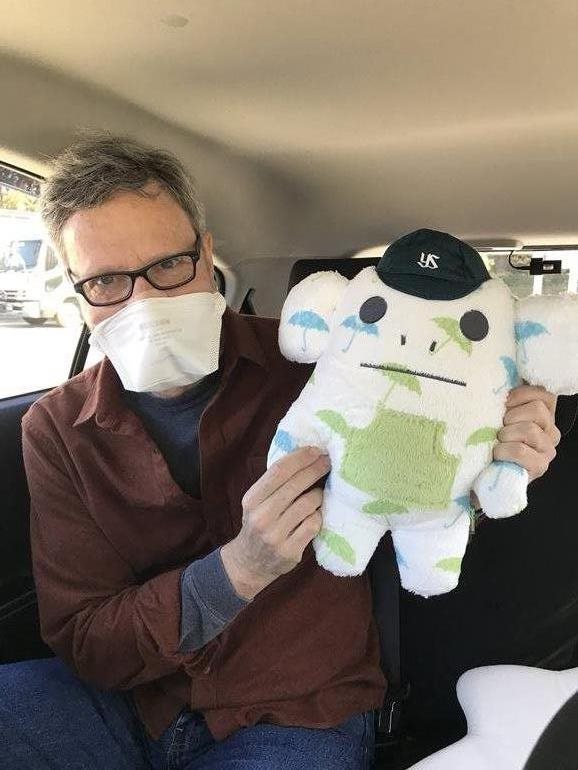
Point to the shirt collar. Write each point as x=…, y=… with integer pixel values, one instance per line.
x=241, y=341
x=105, y=401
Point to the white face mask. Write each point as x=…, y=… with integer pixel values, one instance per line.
x=163, y=342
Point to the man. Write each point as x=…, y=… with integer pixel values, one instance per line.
x=175, y=575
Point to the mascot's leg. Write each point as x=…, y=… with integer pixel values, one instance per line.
x=429, y=554
x=501, y=489
x=348, y=537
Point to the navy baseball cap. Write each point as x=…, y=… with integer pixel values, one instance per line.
x=432, y=265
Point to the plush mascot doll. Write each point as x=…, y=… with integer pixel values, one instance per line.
x=508, y=708
x=415, y=359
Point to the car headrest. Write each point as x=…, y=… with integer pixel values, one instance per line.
x=347, y=267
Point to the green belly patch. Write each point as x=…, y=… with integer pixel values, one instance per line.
x=399, y=459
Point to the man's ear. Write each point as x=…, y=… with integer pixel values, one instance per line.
x=207, y=256
x=307, y=316
x=546, y=330
x=207, y=243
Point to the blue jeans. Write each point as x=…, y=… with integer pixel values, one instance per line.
x=50, y=720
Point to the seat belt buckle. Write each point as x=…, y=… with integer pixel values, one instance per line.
x=389, y=715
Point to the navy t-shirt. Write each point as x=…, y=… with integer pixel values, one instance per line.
x=173, y=424
x=209, y=601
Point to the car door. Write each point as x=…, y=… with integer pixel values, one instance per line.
x=35, y=358
x=19, y=633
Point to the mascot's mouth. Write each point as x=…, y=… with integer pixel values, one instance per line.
x=417, y=374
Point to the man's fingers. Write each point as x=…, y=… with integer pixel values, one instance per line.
x=531, y=434
x=306, y=531
x=278, y=474
x=300, y=510
x=534, y=462
x=524, y=394
x=537, y=412
x=294, y=487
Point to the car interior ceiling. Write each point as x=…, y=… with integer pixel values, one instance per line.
x=284, y=169
x=314, y=137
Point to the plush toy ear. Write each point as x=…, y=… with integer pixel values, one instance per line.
x=547, y=341
x=307, y=316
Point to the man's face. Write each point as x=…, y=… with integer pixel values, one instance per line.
x=127, y=232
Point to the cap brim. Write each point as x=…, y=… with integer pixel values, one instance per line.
x=429, y=288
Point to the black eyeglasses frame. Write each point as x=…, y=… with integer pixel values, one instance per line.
x=194, y=253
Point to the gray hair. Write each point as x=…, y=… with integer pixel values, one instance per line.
x=92, y=170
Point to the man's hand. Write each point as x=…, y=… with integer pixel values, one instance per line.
x=529, y=436
x=279, y=520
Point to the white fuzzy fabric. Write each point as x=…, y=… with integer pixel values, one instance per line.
x=302, y=343
x=410, y=426
x=507, y=708
x=548, y=341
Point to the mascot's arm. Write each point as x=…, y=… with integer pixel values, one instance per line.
x=546, y=329
x=547, y=342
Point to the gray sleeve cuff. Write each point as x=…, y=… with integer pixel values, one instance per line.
x=208, y=602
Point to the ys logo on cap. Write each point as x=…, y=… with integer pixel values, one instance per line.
x=428, y=260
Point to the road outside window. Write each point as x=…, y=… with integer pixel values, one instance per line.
x=40, y=319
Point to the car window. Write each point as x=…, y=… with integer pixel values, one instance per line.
x=513, y=268
x=39, y=314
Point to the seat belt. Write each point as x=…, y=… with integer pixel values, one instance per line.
x=385, y=583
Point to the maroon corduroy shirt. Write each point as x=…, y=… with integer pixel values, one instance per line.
x=111, y=533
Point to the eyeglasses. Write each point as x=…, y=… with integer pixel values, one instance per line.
x=166, y=273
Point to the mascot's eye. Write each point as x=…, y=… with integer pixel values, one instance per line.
x=474, y=325
x=372, y=310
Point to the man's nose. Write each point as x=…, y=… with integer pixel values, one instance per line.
x=143, y=289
